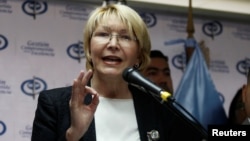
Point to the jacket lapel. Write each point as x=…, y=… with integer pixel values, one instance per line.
x=146, y=118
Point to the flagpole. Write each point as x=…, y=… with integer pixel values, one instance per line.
x=190, y=31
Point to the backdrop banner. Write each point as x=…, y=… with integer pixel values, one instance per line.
x=41, y=47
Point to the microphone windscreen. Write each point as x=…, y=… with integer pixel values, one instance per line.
x=126, y=73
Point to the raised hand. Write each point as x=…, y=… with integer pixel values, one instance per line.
x=81, y=114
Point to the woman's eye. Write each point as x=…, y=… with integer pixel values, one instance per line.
x=152, y=73
x=125, y=37
x=102, y=34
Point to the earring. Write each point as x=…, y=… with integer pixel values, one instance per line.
x=136, y=66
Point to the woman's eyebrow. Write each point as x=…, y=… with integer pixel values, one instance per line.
x=108, y=28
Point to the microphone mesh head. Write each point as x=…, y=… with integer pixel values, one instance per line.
x=126, y=73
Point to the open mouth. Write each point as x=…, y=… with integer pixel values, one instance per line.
x=112, y=59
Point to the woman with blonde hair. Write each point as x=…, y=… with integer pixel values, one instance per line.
x=101, y=105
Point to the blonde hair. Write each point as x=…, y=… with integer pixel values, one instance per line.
x=131, y=19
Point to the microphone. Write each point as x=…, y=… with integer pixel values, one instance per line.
x=132, y=76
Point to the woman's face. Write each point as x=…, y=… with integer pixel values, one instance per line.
x=112, y=48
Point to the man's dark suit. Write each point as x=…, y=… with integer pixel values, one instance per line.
x=52, y=118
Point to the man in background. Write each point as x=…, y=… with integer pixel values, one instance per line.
x=158, y=71
x=246, y=99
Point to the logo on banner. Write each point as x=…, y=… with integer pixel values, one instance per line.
x=3, y=128
x=213, y=28
x=4, y=88
x=149, y=19
x=39, y=48
x=177, y=25
x=242, y=32
x=179, y=60
x=34, y=8
x=243, y=65
x=3, y=42
x=33, y=87
x=219, y=66
x=75, y=51
x=76, y=11
x=26, y=132
x=5, y=7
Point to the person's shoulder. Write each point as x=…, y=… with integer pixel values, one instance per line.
x=58, y=90
x=58, y=94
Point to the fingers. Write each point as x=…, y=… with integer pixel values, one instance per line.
x=95, y=98
x=78, y=89
x=84, y=77
x=81, y=114
x=95, y=102
x=74, y=94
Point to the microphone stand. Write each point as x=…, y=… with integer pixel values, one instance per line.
x=171, y=105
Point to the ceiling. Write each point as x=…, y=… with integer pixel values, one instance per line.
x=231, y=9
x=231, y=6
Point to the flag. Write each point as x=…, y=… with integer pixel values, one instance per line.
x=197, y=93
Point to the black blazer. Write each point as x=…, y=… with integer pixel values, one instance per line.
x=52, y=118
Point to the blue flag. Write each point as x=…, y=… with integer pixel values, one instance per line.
x=197, y=93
